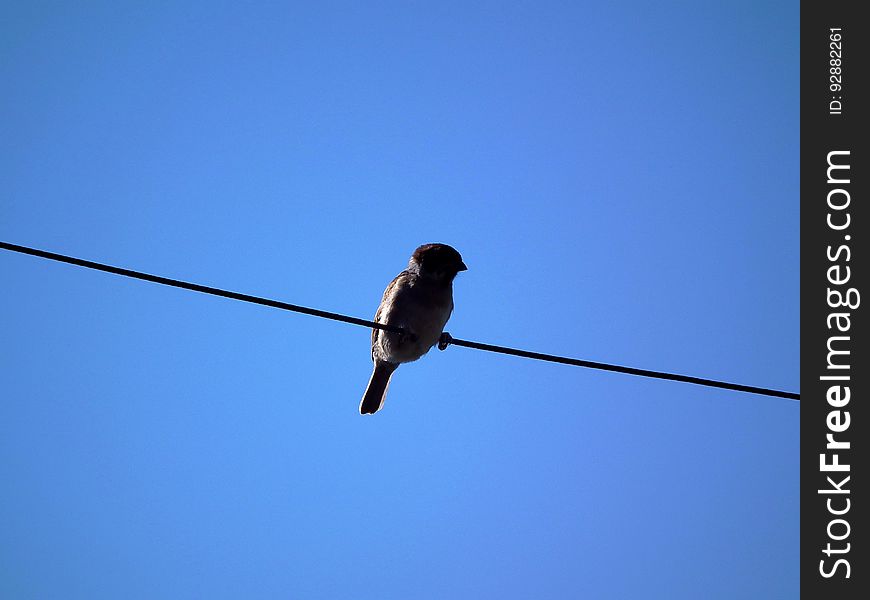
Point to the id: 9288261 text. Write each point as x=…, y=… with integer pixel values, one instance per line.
x=835, y=70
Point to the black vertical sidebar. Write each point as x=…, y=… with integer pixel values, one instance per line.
x=835, y=371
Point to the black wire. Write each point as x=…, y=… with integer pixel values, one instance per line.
x=620, y=369
x=196, y=287
x=446, y=338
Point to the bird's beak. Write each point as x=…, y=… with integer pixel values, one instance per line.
x=462, y=266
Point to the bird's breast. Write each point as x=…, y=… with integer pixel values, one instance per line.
x=422, y=311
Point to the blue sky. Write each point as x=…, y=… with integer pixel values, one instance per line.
x=622, y=181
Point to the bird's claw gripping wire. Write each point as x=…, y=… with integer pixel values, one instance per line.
x=444, y=341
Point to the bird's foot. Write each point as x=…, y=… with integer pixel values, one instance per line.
x=444, y=341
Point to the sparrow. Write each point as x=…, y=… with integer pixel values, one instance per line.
x=419, y=300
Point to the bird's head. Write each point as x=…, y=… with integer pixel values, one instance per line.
x=438, y=261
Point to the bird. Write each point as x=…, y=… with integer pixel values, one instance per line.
x=419, y=301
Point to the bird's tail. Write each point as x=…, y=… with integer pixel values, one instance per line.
x=373, y=399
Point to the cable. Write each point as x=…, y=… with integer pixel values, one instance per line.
x=196, y=287
x=446, y=339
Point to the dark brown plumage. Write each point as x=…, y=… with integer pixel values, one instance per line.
x=420, y=301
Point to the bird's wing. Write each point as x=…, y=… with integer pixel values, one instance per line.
x=398, y=282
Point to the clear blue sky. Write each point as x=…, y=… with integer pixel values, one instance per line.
x=622, y=181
